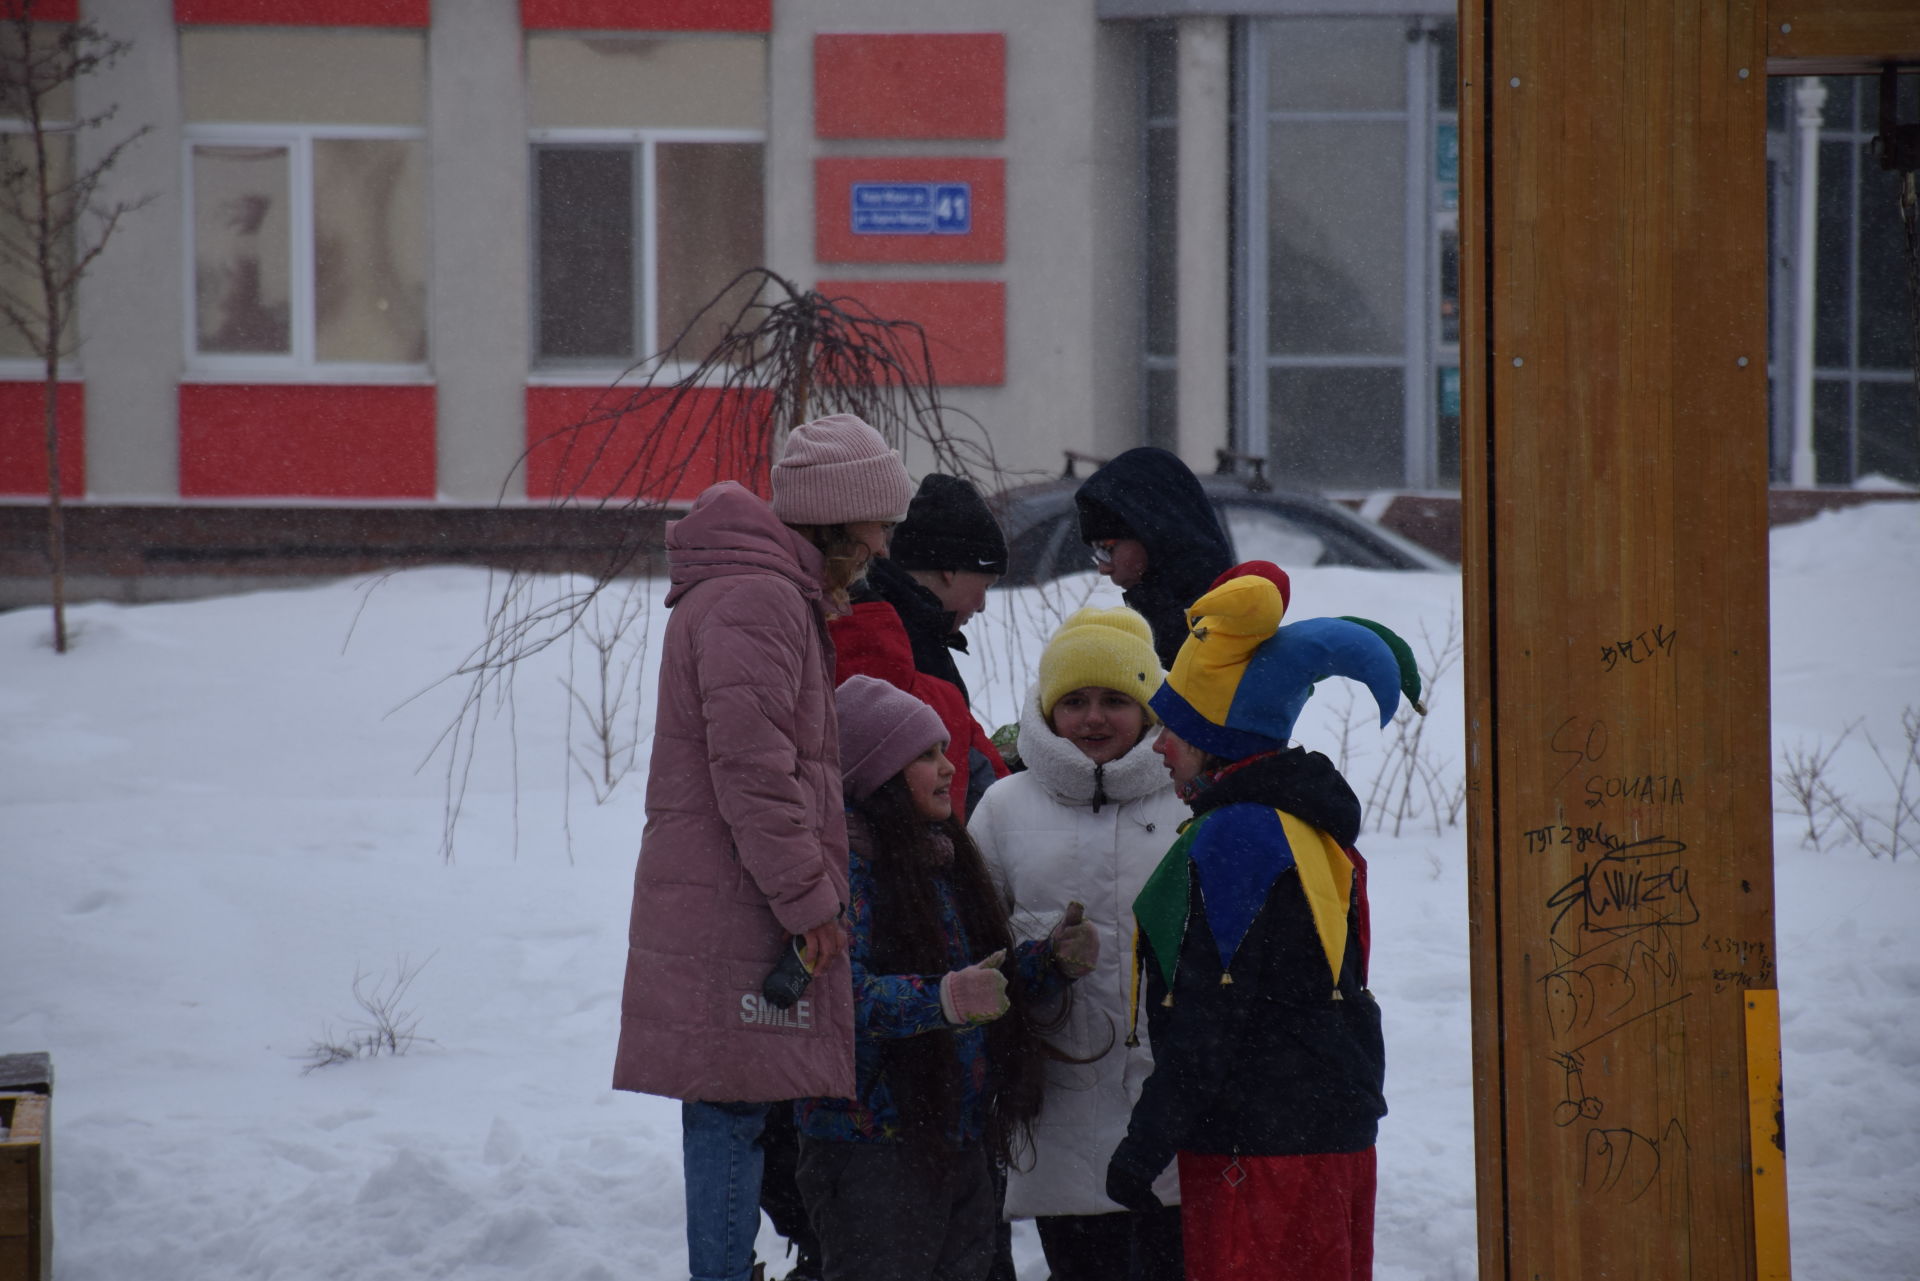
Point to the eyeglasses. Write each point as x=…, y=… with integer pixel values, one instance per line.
x=1103, y=552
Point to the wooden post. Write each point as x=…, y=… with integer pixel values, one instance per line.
x=1614, y=439
x=26, y=1219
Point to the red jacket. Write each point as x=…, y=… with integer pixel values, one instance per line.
x=872, y=641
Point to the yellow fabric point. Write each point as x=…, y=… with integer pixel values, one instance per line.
x=1168, y=1002
x=1326, y=873
x=1226, y=980
x=1224, y=628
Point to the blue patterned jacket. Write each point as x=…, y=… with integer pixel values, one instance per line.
x=889, y=1006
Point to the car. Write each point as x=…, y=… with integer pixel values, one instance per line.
x=1291, y=528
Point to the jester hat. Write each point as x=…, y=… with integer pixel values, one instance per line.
x=1241, y=679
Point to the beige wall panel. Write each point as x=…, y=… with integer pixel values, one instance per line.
x=254, y=75
x=619, y=82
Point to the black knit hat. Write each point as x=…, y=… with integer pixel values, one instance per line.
x=949, y=527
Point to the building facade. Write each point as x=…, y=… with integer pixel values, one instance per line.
x=392, y=243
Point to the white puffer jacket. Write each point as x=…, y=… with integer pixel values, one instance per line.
x=1046, y=845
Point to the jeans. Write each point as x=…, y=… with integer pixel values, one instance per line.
x=722, y=1162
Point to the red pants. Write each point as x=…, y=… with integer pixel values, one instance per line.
x=1278, y=1218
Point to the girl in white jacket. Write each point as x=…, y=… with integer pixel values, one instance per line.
x=1088, y=820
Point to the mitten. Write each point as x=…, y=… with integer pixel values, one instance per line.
x=1075, y=943
x=977, y=994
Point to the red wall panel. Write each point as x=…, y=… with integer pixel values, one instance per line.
x=965, y=322
x=910, y=86
x=592, y=442
x=306, y=13
x=306, y=441
x=45, y=11
x=647, y=15
x=23, y=439
x=835, y=240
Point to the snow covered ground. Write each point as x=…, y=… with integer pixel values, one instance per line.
x=211, y=821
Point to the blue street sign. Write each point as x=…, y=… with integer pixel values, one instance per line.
x=912, y=208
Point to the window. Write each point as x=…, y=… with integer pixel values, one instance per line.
x=1863, y=384
x=306, y=170
x=1159, y=113
x=1346, y=277
x=648, y=194
x=308, y=249
x=18, y=281
x=633, y=235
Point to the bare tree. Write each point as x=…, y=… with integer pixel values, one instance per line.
x=52, y=221
x=783, y=355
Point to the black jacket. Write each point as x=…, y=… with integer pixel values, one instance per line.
x=929, y=624
x=1273, y=1063
x=1152, y=496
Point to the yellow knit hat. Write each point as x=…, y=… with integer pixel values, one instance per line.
x=1108, y=648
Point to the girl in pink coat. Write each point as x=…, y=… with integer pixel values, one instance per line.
x=745, y=844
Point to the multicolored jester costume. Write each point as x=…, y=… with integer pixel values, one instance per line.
x=1236, y=689
x=1251, y=941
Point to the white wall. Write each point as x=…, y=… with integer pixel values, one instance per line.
x=132, y=302
x=480, y=331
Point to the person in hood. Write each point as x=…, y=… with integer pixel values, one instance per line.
x=745, y=843
x=1088, y=819
x=1154, y=533
x=1269, y=1063
x=898, y=1174
x=906, y=621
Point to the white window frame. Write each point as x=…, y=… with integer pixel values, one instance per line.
x=300, y=364
x=22, y=369
x=594, y=371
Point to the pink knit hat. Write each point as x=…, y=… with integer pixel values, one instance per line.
x=836, y=471
x=882, y=728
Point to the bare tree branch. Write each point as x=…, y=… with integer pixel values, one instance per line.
x=681, y=418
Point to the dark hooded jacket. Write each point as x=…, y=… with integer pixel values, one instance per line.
x=1277, y=1060
x=1150, y=495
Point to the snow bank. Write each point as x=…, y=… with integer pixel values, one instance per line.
x=214, y=818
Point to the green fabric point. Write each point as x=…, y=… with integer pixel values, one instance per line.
x=1402, y=656
x=1161, y=908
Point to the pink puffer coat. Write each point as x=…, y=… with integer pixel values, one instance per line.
x=746, y=838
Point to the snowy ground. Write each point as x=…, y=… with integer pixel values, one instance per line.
x=212, y=821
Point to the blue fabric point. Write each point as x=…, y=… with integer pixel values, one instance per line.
x=1238, y=852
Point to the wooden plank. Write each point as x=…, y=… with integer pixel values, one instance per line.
x=1614, y=446
x=1835, y=36
x=26, y=1230
x=1487, y=968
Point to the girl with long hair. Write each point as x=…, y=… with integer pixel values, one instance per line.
x=898, y=1178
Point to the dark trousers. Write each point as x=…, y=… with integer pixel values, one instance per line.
x=1125, y=1246
x=780, y=1192
x=889, y=1212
